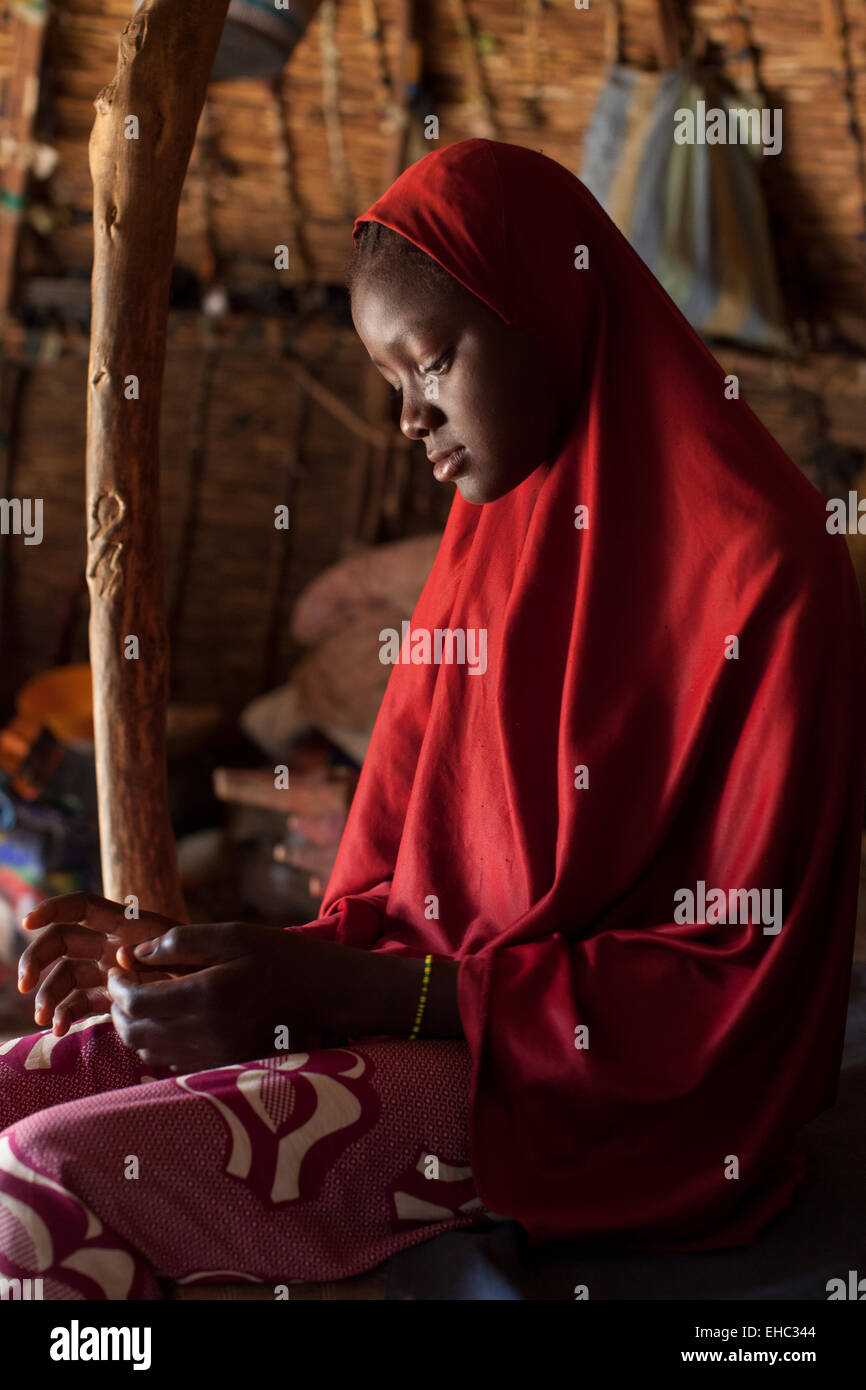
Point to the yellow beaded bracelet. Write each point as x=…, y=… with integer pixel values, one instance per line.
x=425, y=985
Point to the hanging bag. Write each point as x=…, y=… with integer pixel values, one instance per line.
x=694, y=212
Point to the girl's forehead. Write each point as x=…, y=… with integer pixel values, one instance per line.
x=403, y=300
x=394, y=286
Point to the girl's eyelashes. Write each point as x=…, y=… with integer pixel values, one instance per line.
x=436, y=368
x=439, y=365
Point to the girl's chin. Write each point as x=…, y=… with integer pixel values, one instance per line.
x=470, y=491
x=477, y=491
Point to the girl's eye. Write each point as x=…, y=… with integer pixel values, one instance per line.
x=439, y=365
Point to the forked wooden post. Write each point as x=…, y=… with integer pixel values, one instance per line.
x=140, y=146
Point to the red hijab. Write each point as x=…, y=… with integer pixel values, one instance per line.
x=636, y=1076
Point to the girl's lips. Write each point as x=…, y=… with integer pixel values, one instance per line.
x=450, y=465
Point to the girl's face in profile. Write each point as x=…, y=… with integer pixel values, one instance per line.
x=477, y=392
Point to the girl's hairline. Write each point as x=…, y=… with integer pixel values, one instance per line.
x=365, y=221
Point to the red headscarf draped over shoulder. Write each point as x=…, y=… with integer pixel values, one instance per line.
x=638, y=828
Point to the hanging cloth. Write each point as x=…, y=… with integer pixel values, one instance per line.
x=694, y=212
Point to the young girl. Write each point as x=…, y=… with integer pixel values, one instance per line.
x=584, y=957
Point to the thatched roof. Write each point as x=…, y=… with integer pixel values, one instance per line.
x=530, y=75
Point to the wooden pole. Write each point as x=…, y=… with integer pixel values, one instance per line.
x=140, y=146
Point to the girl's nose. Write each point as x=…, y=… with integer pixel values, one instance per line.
x=418, y=417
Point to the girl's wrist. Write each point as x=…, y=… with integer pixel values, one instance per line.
x=441, y=1017
x=382, y=991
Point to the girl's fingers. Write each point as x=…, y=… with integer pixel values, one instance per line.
x=67, y=976
x=94, y=913
x=150, y=973
x=79, y=1004
x=198, y=945
x=175, y=1053
x=156, y=995
x=70, y=939
x=85, y=909
x=62, y=939
x=154, y=1042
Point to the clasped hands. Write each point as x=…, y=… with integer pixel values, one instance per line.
x=185, y=997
